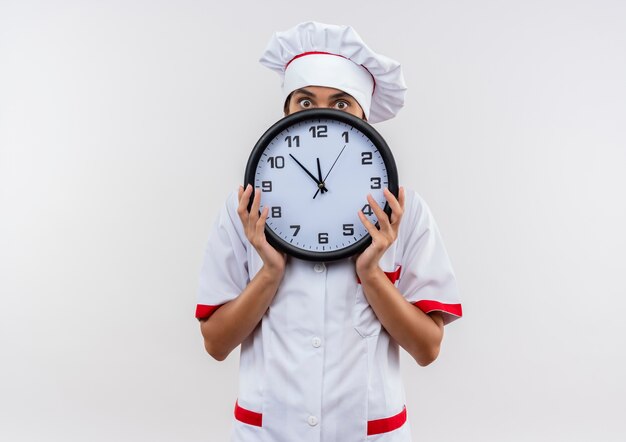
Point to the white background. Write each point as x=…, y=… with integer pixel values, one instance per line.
x=124, y=125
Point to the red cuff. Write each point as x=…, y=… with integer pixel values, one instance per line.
x=204, y=311
x=434, y=306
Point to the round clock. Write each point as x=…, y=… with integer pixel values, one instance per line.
x=315, y=168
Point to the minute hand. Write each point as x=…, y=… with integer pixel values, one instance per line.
x=320, y=185
x=331, y=168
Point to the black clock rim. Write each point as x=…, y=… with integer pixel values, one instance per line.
x=313, y=114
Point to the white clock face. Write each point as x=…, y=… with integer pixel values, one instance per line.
x=315, y=176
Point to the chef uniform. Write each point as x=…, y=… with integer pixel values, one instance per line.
x=319, y=366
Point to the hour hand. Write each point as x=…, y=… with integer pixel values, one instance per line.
x=320, y=184
x=331, y=168
x=320, y=179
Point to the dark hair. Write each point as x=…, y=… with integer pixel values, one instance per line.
x=286, y=105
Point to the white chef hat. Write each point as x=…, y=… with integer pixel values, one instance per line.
x=317, y=54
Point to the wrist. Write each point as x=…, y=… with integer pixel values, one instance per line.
x=273, y=272
x=369, y=274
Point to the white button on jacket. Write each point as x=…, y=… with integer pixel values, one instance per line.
x=293, y=388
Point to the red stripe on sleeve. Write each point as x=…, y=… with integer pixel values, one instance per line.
x=387, y=424
x=204, y=311
x=430, y=306
x=247, y=416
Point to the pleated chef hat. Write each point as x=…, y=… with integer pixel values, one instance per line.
x=317, y=54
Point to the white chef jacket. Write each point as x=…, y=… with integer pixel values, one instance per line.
x=319, y=366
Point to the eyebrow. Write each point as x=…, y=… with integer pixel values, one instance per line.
x=304, y=92
x=340, y=95
x=310, y=94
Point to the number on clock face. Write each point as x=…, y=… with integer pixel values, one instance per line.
x=315, y=176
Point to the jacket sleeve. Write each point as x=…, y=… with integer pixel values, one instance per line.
x=427, y=279
x=224, y=271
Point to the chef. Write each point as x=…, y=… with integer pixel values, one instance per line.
x=320, y=341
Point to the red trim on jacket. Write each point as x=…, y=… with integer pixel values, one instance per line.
x=204, y=311
x=393, y=276
x=386, y=424
x=247, y=416
x=376, y=426
x=428, y=306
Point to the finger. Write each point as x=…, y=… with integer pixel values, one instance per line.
x=256, y=202
x=244, y=198
x=383, y=219
x=254, y=210
x=369, y=226
x=401, y=197
x=396, y=205
x=260, y=224
x=242, y=209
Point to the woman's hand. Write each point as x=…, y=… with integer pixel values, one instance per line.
x=254, y=226
x=367, y=262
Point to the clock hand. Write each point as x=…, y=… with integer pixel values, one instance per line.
x=320, y=184
x=331, y=168
x=319, y=170
x=319, y=177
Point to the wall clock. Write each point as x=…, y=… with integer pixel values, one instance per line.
x=315, y=168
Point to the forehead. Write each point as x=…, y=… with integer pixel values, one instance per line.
x=321, y=92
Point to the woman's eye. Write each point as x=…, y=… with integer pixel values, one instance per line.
x=341, y=105
x=305, y=102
